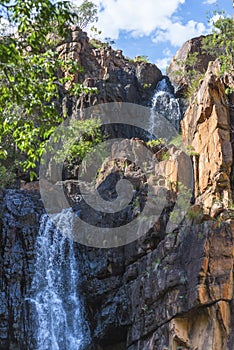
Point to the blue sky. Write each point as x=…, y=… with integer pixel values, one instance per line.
x=155, y=28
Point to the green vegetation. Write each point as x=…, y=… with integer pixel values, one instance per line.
x=156, y=264
x=136, y=203
x=7, y=176
x=189, y=66
x=190, y=73
x=155, y=143
x=190, y=151
x=145, y=308
x=147, y=86
x=96, y=44
x=32, y=76
x=220, y=43
x=109, y=41
x=78, y=140
x=166, y=156
x=86, y=13
x=195, y=215
x=183, y=201
x=95, y=40
x=130, y=59
x=194, y=84
x=201, y=235
x=141, y=58
x=177, y=141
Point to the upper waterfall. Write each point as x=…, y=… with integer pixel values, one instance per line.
x=165, y=104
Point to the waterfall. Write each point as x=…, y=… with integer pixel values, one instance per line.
x=59, y=310
x=164, y=104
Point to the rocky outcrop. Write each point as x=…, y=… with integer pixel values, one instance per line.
x=164, y=291
x=115, y=77
x=175, y=291
x=206, y=131
x=179, y=63
x=229, y=84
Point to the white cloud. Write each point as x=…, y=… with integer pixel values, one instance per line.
x=177, y=33
x=209, y=2
x=163, y=63
x=167, y=52
x=135, y=16
x=215, y=18
x=155, y=18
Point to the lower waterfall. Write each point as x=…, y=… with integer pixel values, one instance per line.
x=59, y=310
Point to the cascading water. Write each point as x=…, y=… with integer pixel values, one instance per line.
x=59, y=310
x=164, y=104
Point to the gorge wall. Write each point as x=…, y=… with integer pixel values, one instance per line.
x=116, y=77
x=166, y=290
x=175, y=290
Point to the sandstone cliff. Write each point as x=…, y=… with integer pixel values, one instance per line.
x=167, y=290
x=207, y=129
x=175, y=291
x=116, y=77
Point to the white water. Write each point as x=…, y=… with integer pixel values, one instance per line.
x=59, y=309
x=164, y=104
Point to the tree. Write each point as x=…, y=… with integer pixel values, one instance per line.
x=86, y=13
x=220, y=43
x=30, y=85
x=188, y=71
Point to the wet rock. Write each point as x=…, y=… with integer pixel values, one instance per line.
x=20, y=214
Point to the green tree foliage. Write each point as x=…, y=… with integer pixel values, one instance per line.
x=141, y=58
x=78, y=140
x=32, y=77
x=220, y=43
x=86, y=13
x=187, y=69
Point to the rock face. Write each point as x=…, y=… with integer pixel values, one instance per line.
x=175, y=291
x=207, y=132
x=163, y=292
x=229, y=83
x=170, y=289
x=189, y=47
x=20, y=215
x=115, y=77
